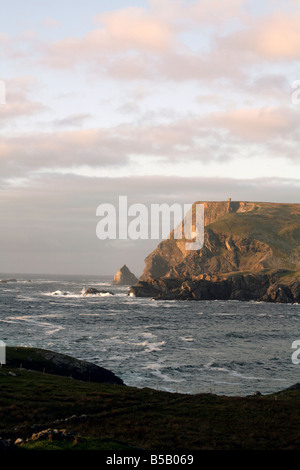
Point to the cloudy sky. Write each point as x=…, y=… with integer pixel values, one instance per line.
x=162, y=101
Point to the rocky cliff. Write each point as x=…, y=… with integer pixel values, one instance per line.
x=251, y=251
x=124, y=277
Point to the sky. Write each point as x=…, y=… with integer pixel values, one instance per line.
x=162, y=101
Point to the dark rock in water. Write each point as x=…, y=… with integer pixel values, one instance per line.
x=124, y=277
x=59, y=364
x=93, y=291
x=144, y=289
x=4, y=281
x=58, y=292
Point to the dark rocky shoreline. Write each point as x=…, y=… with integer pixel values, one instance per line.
x=251, y=252
x=261, y=287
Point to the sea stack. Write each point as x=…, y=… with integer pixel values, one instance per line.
x=125, y=277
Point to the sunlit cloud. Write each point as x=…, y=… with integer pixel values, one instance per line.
x=168, y=100
x=18, y=99
x=258, y=124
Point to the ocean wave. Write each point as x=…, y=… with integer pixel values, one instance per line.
x=215, y=366
x=147, y=335
x=160, y=371
x=165, y=377
x=90, y=314
x=246, y=377
x=26, y=298
x=150, y=347
x=82, y=294
x=49, y=328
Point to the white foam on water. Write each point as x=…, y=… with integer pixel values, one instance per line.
x=210, y=366
x=50, y=315
x=227, y=314
x=90, y=314
x=150, y=347
x=58, y=293
x=148, y=335
x=246, y=377
x=153, y=366
x=155, y=346
x=33, y=320
x=73, y=295
x=3, y=320
x=224, y=382
x=26, y=298
x=186, y=338
x=165, y=377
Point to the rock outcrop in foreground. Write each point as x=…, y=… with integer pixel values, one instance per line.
x=124, y=277
x=251, y=252
x=59, y=364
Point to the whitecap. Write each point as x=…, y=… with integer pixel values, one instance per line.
x=34, y=320
x=246, y=377
x=150, y=347
x=186, y=338
x=165, y=377
x=89, y=314
x=59, y=292
x=147, y=335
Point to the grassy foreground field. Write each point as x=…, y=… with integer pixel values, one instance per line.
x=118, y=417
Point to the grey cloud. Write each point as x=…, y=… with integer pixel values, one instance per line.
x=129, y=107
x=74, y=120
x=22, y=155
x=213, y=137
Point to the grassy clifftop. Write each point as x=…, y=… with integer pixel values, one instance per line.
x=106, y=416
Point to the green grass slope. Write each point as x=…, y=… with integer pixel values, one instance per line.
x=111, y=417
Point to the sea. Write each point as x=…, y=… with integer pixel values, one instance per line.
x=223, y=347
